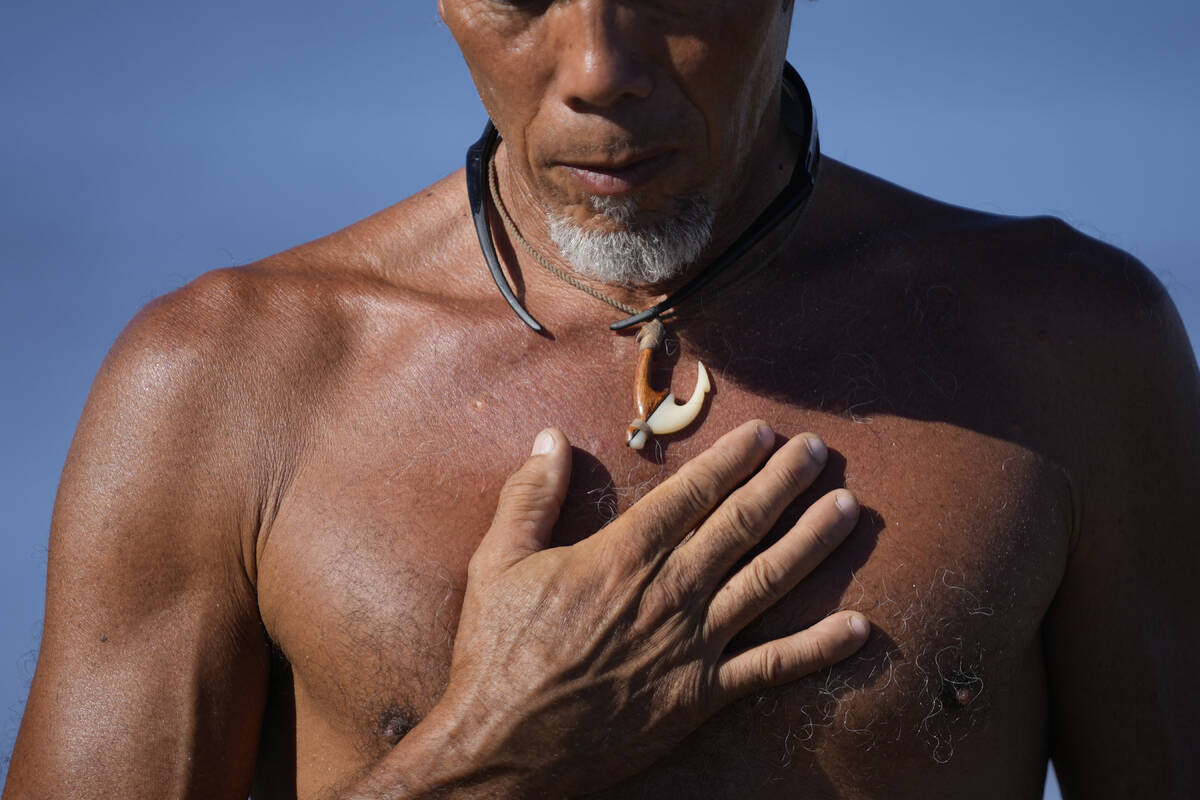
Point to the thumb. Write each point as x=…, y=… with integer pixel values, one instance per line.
x=529, y=502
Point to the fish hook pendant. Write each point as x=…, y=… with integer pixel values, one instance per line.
x=657, y=411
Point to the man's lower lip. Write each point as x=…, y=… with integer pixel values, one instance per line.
x=598, y=181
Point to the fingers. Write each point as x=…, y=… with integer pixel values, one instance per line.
x=746, y=516
x=529, y=503
x=662, y=518
x=776, y=571
x=834, y=638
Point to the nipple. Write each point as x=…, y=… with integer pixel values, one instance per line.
x=394, y=723
x=960, y=691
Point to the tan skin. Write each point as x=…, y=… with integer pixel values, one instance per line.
x=277, y=558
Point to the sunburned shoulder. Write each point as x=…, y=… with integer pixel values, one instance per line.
x=416, y=243
x=237, y=325
x=1086, y=297
x=1030, y=330
x=1068, y=326
x=296, y=315
x=996, y=261
x=251, y=354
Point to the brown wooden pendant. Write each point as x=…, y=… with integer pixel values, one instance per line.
x=657, y=411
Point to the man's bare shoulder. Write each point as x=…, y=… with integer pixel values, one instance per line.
x=238, y=364
x=417, y=245
x=1002, y=266
x=292, y=318
x=1028, y=326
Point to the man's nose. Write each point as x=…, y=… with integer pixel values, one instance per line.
x=602, y=56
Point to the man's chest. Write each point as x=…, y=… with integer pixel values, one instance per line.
x=954, y=561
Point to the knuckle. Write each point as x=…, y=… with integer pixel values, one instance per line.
x=520, y=483
x=771, y=664
x=763, y=579
x=816, y=652
x=515, y=499
x=662, y=601
x=522, y=500
x=623, y=552
x=821, y=538
x=745, y=518
x=697, y=488
x=797, y=477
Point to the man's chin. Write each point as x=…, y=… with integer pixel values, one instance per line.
x=625, y=251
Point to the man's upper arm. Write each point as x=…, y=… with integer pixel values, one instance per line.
x=152, y=672
x=1122, y=645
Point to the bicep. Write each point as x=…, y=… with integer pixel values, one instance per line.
x=141, y=694
x=152, y=672
x=1121, y=637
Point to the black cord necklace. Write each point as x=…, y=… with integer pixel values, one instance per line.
x=797, y=115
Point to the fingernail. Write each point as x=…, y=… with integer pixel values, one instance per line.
x=817, y=448
x=846, y=503
x=766, y=435
x=859, y=624
x=543, y=444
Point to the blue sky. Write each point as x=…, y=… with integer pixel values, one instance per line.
x=144, y=143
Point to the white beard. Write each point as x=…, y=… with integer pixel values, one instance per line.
x=635, y=256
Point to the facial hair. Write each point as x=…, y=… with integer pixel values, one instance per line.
x=635, y=255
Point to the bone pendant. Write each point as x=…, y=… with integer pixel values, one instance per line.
x=665, y=415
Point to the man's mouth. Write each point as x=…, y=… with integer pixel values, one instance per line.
x=617, y=177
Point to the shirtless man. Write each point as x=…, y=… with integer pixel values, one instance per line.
x=259, y=558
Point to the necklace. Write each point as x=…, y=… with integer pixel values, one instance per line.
x=657, y=411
